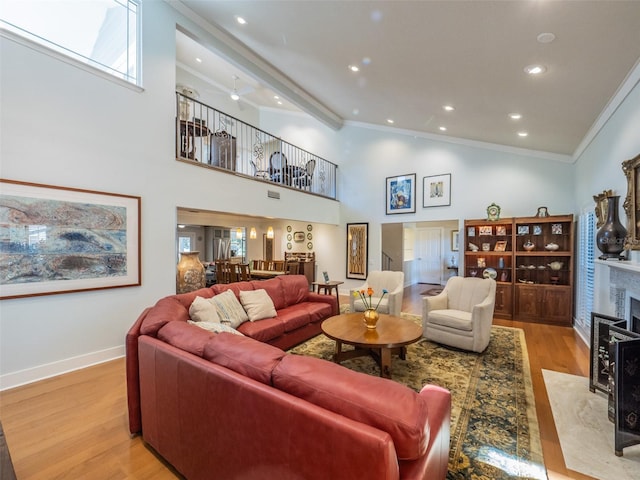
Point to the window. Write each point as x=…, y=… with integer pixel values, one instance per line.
x=100, y=33
x=586, y=267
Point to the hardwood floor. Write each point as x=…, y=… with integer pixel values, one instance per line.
x=74, y=426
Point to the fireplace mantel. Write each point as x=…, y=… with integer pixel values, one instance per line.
x=616, y=283
x=621, y=265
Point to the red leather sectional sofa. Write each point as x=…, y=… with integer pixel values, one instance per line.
x=223, y=406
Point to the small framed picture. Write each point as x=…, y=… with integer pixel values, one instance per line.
x=482, y=262
x=485, y=230
x=537, y=229
x=556, y=228
x=455, y=240
x=325, y=275
x=501, y=230
x=523, y=229
x=471, y=232
x=501, y=246
x=486, y=247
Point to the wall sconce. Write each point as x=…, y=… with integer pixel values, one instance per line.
x=270, y=232
x=252, y=233
x=239, y=232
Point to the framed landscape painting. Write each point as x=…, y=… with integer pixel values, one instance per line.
x=436, y=191
x=61, y=240
x=401, y=194
x=357, y=250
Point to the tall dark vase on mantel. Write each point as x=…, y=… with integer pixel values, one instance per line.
x=611, y=235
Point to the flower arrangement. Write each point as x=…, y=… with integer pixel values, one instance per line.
x=368, y=302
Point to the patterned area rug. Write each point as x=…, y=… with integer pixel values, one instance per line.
x=494, y=428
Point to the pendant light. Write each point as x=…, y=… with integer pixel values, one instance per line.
x=270, y=232
x=234, y=94
x=252, y=233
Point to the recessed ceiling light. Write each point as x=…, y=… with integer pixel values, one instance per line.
x=240, y=20
x=355, y=111
x=199, y=60
x=279, y=102
x=515, y=116
x=366, y=60
x=535, y=69
x=354, y=68
x=448, y=108
x=442, y=129
x=523, y=134
x=276, y=97
x=546, y=37
x=390, y=120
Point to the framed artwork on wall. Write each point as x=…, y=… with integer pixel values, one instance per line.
x=63, y=240
x=357, y=250
x=455, y=240
x=436, y=190
x=401, y=194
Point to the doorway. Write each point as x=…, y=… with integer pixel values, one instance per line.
x=429, y=260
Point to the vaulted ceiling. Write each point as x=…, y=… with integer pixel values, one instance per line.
x=415, y=57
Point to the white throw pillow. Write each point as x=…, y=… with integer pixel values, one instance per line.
x=216, y=327
x=229, y=309
x=203, y=310
x=258, y=304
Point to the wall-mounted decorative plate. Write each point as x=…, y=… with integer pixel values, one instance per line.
x=289, y=246
x=288, y=228
x=298, y=236
x=309, y=228
x=289, y=236
x=310, y=245
x=309, y=236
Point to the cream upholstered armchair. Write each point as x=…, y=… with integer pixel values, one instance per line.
x=461, y=316
x=379, y=280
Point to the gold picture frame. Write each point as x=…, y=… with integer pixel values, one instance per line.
x=357, y=250
x=601, y=206
x=631, y=169
x=501, y=246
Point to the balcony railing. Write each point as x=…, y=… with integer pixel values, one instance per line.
x=212, y=138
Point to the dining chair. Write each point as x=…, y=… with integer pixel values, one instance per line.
x=292, y=268
x=242, y=272
x=304, y=176
x=278, y=168
x=222, y=272
x=277, y=265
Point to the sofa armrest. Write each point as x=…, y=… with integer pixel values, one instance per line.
x=133, y=374
x=330, y=299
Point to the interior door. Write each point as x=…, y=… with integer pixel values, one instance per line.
x=429, y=255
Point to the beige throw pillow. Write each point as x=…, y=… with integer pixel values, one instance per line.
x=203, y=310
x=216, y=327
x=258, y=304
x=229, y=309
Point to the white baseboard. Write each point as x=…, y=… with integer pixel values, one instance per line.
x=34, y=374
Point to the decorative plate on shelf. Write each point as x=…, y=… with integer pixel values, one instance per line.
x=489, y=273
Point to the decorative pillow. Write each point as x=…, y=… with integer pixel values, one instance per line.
x=258, y=304
x=229, y=309
x=203, y=310
x=216, y=327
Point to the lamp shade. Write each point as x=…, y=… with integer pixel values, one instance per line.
x=270, y=232
x=252, y=233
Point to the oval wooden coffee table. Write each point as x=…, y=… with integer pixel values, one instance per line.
x=391, y=336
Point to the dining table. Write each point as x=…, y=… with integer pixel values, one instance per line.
x=265, y=274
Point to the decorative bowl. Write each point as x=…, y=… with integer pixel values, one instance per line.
x=489, y=273
x=552, y=247
x=528, y=246
x=555, y=265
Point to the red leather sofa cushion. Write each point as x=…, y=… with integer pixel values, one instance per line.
x=386, y=405
x=295, y=287
x=243, y=355
x=273, y=287
x=189, y=338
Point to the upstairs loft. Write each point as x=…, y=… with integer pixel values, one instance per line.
x=209, y=138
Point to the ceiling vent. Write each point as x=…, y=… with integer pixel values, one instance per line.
x=272, y=194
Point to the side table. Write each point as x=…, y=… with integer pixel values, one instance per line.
x=328, y=287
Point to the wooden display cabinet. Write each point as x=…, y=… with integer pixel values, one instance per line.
x=531, y=259
x=543, y=269
x=493, y=258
